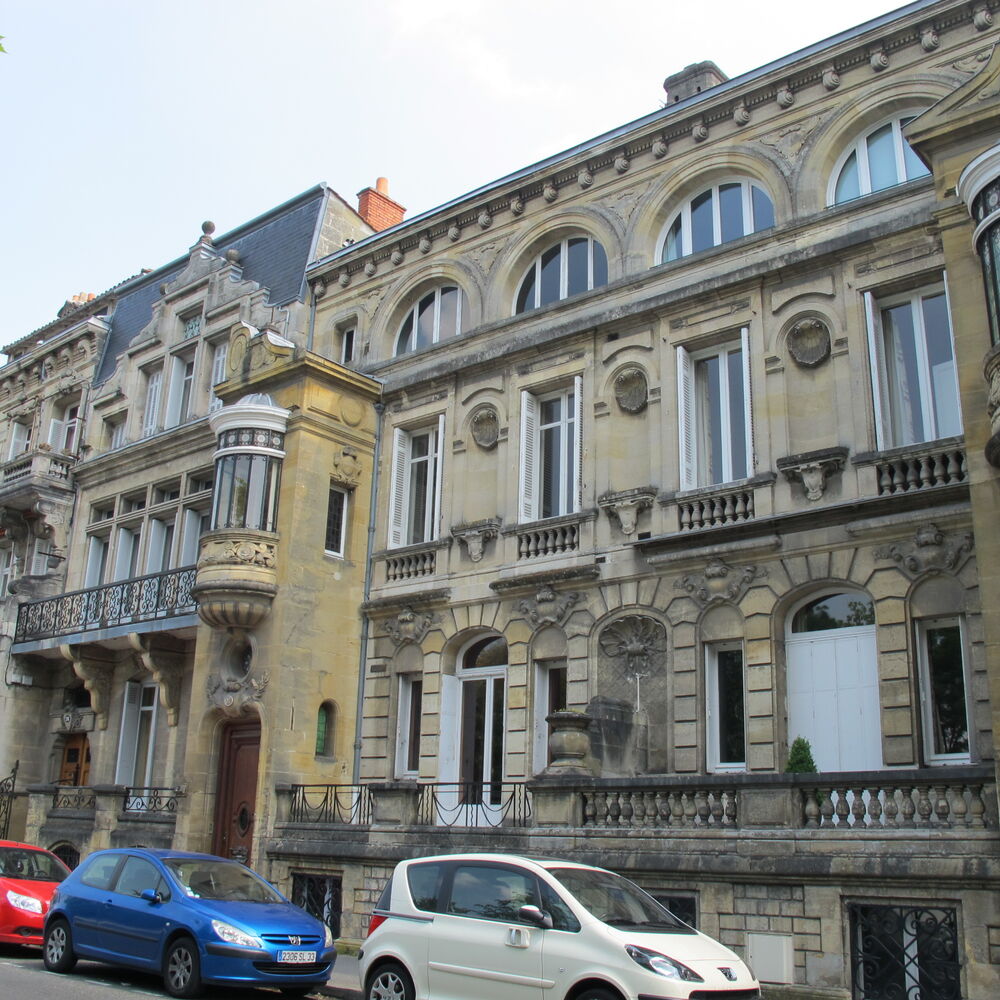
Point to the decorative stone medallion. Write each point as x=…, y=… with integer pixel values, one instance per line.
x=486, y=427
x=631, y=390
x=809, y=342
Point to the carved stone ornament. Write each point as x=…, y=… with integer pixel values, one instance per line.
x=699, y=131
x=425, y=244
x=631, y=390
x=343, y=279
x=454, y=232
x=626, y=505
x=991, y=372
x=485, y=426
x=621, y=163
x=474, y=536
x=930, y=551
x=410, y=626
x=720, y=582
x=585, y=178
x=878, y=59
x=785, y=96
x=97, y=677
x=929, y=38
x=240, y=552
x=741, y=114
x=346, y=467
x=485, y=219
x=71, y=720
x=831, y=78
x=167, y=669
x=809, y=342
x=982, y=18
x=659, y=148
x=233, y=695
x=549, y=607
x=550, y=192
x=638, y=644
x=813, y=469
x=397, y=257
x=370, y=267
x=516, y=205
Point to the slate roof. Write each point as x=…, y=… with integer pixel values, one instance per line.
x=274, y=250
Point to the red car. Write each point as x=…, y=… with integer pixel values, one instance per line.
x=28, y=877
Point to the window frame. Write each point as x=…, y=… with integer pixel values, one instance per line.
x=545, y=670
x=412, y=317
x=345, y=495
x=134, y=711
x=152, y=395
x=180, y=393
x=713, y=709
x=409, y=725
x=20, y=438
x=933, y=758
x=402, y=486
x=534, y=270
x=693, y=471
x=220, y=355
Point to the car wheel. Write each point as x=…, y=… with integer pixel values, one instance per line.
x=389, y=982
x=181, y=969
x=57, y=949
x=598, y=993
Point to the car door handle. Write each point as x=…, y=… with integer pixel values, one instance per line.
x=518, y=937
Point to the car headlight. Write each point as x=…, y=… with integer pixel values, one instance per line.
x=233, y=935
x=21, y=902
x=669, y=968
x=327, y=938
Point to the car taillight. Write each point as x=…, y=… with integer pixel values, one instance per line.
x=376, y=921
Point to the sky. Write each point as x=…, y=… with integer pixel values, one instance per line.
x=124, y=124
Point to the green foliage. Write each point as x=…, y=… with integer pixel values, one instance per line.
x=800, y=758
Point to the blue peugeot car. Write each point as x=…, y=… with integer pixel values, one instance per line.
x=194, y=918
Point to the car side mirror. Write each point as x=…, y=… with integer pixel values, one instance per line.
x=151, y=896
x=533, y=915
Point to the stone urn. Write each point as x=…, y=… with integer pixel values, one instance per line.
x=569, y=743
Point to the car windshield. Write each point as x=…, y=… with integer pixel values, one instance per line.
x=202, y=878
x=33, y=866
x=617, y=901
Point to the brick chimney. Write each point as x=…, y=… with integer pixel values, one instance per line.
x=377, y=208
x=691, y=80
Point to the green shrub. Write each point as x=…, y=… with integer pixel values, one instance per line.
x=800, y=757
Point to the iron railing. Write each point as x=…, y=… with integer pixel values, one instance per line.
x=76, y=797
x=331, y=804
x=162, y=801
x=141, y=598
x=472, y=803
x=7, y=800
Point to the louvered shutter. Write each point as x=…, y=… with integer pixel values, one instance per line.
x=685, y=420
x=748, y=401
x=438, y=475
x=876, y=356
x=528, y=510
x=397, y=499
x=578, y=449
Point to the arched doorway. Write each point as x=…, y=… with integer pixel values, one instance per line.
x=236, y=794
x=832, y=681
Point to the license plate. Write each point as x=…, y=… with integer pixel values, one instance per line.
x=296, y=956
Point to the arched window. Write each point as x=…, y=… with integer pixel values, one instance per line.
x=722, y=213
x=573, y=265
x=878, y=159
x=439, y=315
x=846, y=610
x=326, y=723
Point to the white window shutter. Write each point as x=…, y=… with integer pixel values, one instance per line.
x=154, y=548
x=56, y=431
x=397, y=498
x=125, y=769
x=578, y=449
x=748, y=400
x=96, y=552
x=123, y=553
x=528, y=499
x=880, y=391
x=152, y=402
x=685, y=419
x=951, y=335
x=438, y=471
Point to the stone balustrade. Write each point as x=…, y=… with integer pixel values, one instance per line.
x=715, y=509
x=549, y=540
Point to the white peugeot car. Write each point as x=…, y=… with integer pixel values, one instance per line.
x=497, y=927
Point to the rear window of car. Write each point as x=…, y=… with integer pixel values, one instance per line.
x=31, y=866
x=97, y=872
x=425, y=885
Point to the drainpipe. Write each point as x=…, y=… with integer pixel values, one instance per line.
x=318, y=291
x=376, y=459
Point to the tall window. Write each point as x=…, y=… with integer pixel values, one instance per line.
x=160, y=546
x=411, y=695
x=437, y=316
x=220, y=352
x=336, y=521
x=97, y=559
x=63, y=429
x=572, y=266
x=943, y=691
x=151, y=409
x=727, y=749
x=181, y=388
x=128, y=544
x=6, y=565
x=715, y=418
x=247, y=481
x=914, y=381
x=20, y=438
x=722, y=213
x=415, y=501
x=880, y=158
x=550, y=696
x=551, y=456
x=135, y=745
x=326, y=721
x=347, y=342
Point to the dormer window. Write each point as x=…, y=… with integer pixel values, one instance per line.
x=572, y=266
x=881, y=158
x=191, y=325
x=439, y=315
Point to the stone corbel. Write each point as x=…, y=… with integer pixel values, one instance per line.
x=410, y=626
x=346, y=468
x=720, y=582
x=812, y=469
x=476, y=534
x=97, y=674
x=549, y=607
x=930, y=550
x=13, y=523
x=626, y=505
x=167, y=669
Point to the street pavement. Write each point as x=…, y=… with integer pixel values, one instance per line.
x=344, y=980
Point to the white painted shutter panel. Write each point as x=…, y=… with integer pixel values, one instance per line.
x=880, y=391
x=685, y=419
x=125, y=770
x=954, y=367
x=192, y=537
x=19, y=438
x=438, y=475
x=56, y=430
x=578, y=450
x=96, y=551
x=748, y=400
x=154, y=546
x=528, y=500
x=123, y=554
x=397, y=495
x=152, y=402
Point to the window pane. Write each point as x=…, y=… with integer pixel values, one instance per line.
x=448, y=322
x=550, y=282
x=600, y=265
x=902, y=375
x=672, y=248
x=732, y=741
x=912, y=163
x=413, y=726
x=763, y=210
x=551, y=466
x=709, y=416
x=947, y=690
x=848, y=183
x=702, y=234
x=404, y=344
x=834, y=611
x=882, y=159
x=335, y=521
x=425, y=322
x=526, y=294
x=941, y=361
x=731, y=211
x=577, y=279
x=737, y=416
x=241, y=491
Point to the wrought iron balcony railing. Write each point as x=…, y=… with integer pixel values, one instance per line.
x=474, y=803
x=330, y=804
x=146, y=801
x=139, y=599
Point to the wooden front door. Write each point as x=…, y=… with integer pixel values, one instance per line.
x=74, y=769
x=237, y=790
